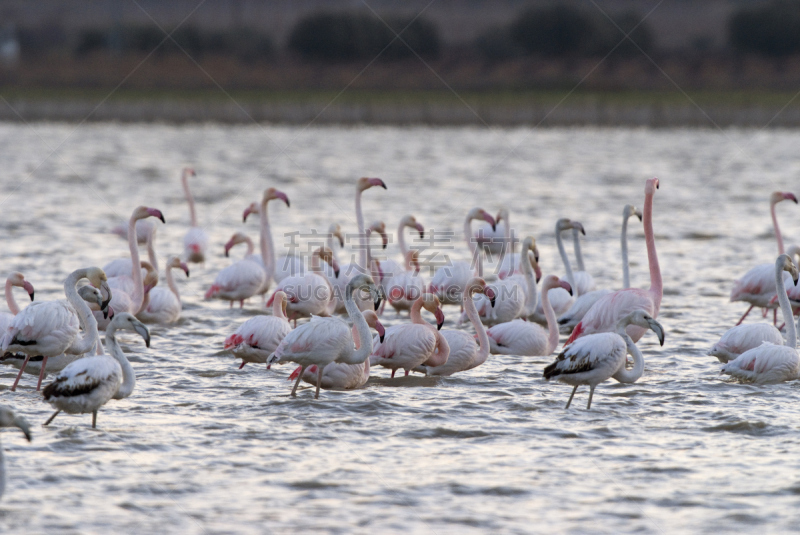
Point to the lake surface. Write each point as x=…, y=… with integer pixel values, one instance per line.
x=203, y=447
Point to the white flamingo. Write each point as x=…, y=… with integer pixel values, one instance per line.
x=14, y=279
x=559, y=299
x=755, y=287
x=338, y=284
x=309, y=294
x=195, y=242
x=163, y=305
x=525, y=338
x=406, y=287
x=8, y=418
x=465, y=354
x=448, y=282
x=610, y=309
x=280, y=268
x=363, y=184
x=258, y=337
x=594, y=358
x=336, y=376
x=348, y=271
x=50, y=328
x=585, y=302
x=123, y=266
x=411, y=344
x=391, y=268
x=494, y=239
x=88, y=383
x=771, y=363
x=508, y=263
x=325, y=340
x=241, y=280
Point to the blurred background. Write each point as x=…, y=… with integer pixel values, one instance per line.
x=455, y=61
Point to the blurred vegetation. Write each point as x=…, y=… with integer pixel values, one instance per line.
x=769, y=30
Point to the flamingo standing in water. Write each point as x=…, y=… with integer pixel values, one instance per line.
x=448, y=282
x=391, y=268
x=771, y=363
x=163, y=305
x=583, y=303
x=525, y=338
x=597, y=357
x=494, y=239
x=336, y=376
x=14, y=279
x=325, y=340
x=309, y=294
x=756, y=287
x=258, y=337
x=266, y=243
x=607, y=312
x=122, y=266
x=412, y=344
x=464, y=353
x=348, y=271
x=195, y=242
x=88, y=383
x=50, y=328
x=8, y=418
x=406, y=287
x=241, y=280
x=559, y=299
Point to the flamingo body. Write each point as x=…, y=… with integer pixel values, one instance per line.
x=742, y=338
x=404, y=346
x=518, y=337
x=257, y=338
x=239, y=281
x=765, y=364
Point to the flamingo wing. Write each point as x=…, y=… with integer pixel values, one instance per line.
x=84, y=376
x=599, y=355
x=609, y=309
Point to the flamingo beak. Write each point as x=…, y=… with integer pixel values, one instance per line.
x=104, y=286
x=378, y=299
x=23, y=426
x=381, y=331
x=491, y=295
x=638, y=214
x=538, y=272
x=421, y=231
x=185, y=268
x=341, y=240
x=246, y=213
x=578, y=226
x=439, y=318
x=156, y=213
x=143, y=332
x=282, y=196
x=28, y=288
x=489, y=219
x=377, y=182
x=566, y=286
x=791, y=197
x=658, y=329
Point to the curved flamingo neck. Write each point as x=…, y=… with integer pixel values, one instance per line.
x=507, y=247
x=364, y=336
x=151, y=249
x=189, y=199
x=12, y=303
x=401, y=239
x=778, y=236
x=623, y=242
x=532, y=296
x=576, y=244
x=656, y=287
x=128, y=375
x=362, y=239
x=567, y=266
x=415, y=313
x=786, y=307
x=277, y=309
x=550, y=315
x=624, y=375
x=266, y=243
x=329, y=242
x=171, y=284
x=480, y=330
x=136, y=271
x=250, y=246
x=86, y=342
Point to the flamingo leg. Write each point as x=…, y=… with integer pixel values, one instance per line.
x=94, y=419
x=319, y=381
x=393, y=373
x=406, y=373
x=24, y=364
x=53, y=417
x=300, y=376
x=242, y=366
x=42, y=372
x=570, y=397
x=241, y=304
x=745, y=315
x=231, y=305
x=591, y=393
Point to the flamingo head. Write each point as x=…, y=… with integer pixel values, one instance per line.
x=651, y=186
x=126, y=321
x=236, y=239
x=502, y=215
x=272, y=194
x=175, y=263
x=529, y=245
x=374, y=323
x=326, y=255
x=97, y=278
x=279, y=296
x=363, y=283
x=143, y=212
x=151, y=278
x=18, y=279
x=778, y=196
x=642, y=319
x=233, y=341
x=431, y=303
x=480, y=213
x=364, y=183
x=252, y=209
x=335, y=231
x=478, y=285
x=551, y=281
x=411, y=222
x=785, y=263
x=629, y=211
x=10, y=419
x=188, y=171
x=575, y=225
x=380, y=228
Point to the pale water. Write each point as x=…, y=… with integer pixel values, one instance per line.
x=202, y=447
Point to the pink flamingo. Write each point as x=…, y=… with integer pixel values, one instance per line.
x=14, y=279
x=560, y=300
x=164, y=304
x=756, y=287
x=404, y=288
x=771, y=363
x=241, y=280
x=123, y=266
x=50, y=328
x=336, y=376
x=348, y=271
x=464, y=353
x=495, y=239
x=258, y=337
x=610, y=309
x=525, y=338
x=195, y=242
x=601, y=356
x=412, y=344
x=392, y=268
x=266, y=243
x=309, y=294
x=362, y=185
x=325, y=340
x=448, y=282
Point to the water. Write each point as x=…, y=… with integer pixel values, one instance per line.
x=202, y=447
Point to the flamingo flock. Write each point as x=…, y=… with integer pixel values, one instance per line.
x=325, y=317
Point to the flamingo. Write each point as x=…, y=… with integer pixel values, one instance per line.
x=336, y=376
x=121, y=300
x=258, y=337
x=464, y=353
x=583, y=303
x=14, y=279
x=412, y=344
x=50, y=328
x=406, y=287
x=164, y=304
x=88, y=383
x=309, y=294
x=348, y=271
x=508, y=263
x=559, y=299
x=8, y=418
x=610, y=309
x=272, y=268
x=123, y=266
x=494, y=239
x=756, y=287
x=525, y=338
x=325, y=340
x=390, y=268
x=338, y=284
x=143, y=230
x=241, y=280
x=771, y=363
x=195, y=242
x=448, y=282
x=597, y=357
x=362, y=185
